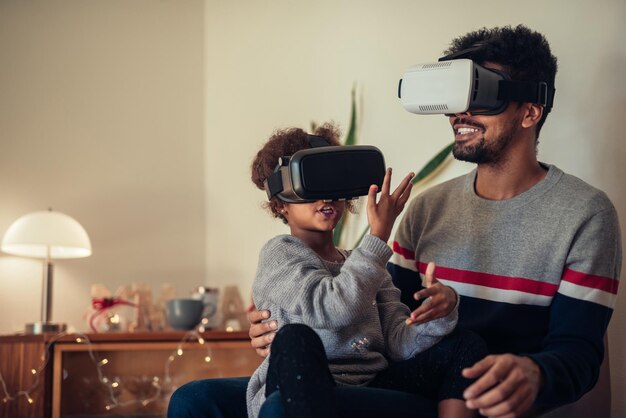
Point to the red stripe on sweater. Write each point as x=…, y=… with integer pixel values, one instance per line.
x=589, y=280
x=404, y=252
x=492, y=280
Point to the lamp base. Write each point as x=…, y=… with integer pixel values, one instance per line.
x=44, y=327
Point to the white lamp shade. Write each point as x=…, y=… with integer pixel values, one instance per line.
x=33, y=234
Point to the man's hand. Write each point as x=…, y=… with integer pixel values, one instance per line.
x=507, y=385
x=261, y=333
x=442, y=299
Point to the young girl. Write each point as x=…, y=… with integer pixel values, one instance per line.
x=349, y=301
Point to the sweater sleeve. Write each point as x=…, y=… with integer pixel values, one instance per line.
x=291, y=276
x=574, y=347
x=405, y=341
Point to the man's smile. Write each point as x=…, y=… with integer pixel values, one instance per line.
x=464, y=132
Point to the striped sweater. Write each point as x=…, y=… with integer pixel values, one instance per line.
x=537, y=274
x=353, y=306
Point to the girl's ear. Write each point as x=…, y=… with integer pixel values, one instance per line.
x=282, y=208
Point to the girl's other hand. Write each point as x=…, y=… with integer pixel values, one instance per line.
x=439, y=299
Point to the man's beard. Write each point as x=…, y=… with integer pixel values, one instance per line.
x=483, y=152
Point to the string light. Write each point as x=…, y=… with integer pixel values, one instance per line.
x=160, y=385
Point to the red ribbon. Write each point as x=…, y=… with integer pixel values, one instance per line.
x=101, y=305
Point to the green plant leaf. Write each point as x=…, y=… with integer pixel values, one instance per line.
x=351, y=136
x=433, y=164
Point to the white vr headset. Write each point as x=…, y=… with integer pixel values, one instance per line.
x=453, y=86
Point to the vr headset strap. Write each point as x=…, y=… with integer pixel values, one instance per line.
x=316, y=141
x=526, y=91
x=274, y=184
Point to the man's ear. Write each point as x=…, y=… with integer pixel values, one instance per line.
x=532, y=115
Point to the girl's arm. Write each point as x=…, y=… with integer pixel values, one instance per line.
x=404, y=340
x=292, y=278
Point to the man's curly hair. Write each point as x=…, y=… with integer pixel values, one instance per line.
x=285, y=142
x=523, y=53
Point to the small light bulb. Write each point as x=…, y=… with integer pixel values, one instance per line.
x=229, y=329
x=201, y=340
x=33, y=371
x=207, y=359
x=145, y=402
x=108, y=407
x=201, y=328
x=29, y=399
x=204, y=321
x=104, y=361
x=171, y=359
x=179, y=351
x=115, y=384
x=79, y=340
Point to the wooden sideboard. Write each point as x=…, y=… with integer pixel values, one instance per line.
x=114, y=374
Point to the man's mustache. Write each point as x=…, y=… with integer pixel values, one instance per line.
x=469, y=122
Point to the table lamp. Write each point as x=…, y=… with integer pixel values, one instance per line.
x=48, y=235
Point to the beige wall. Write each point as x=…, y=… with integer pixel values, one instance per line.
x=101, y=116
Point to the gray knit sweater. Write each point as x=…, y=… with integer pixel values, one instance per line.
x=353, y=307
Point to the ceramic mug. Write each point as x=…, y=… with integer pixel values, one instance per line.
x=210, y=297
x=184, y=313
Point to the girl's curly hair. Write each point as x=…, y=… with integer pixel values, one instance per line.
x=285, y=142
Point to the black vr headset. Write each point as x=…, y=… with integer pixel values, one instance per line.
x=326, y=172
x=456, y=84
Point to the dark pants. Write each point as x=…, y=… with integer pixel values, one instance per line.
x=298, y=367
x=299, y=370
x=226, y=398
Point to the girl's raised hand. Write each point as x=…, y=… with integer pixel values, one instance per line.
x=383, y=214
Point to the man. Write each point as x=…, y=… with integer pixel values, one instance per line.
x=534, y=253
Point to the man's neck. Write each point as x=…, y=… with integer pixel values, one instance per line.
x=509, y=178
